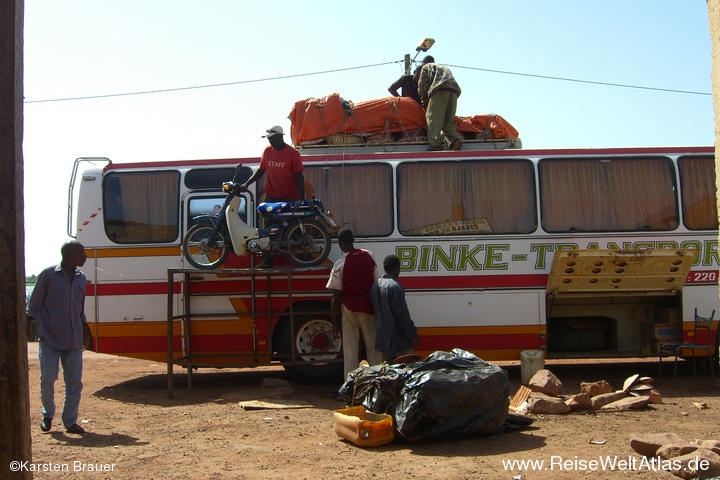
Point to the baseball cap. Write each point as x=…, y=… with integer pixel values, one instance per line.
x=276, y=130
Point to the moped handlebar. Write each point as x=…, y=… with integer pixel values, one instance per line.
x=241, y=189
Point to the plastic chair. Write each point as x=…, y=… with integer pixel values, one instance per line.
x=701, y=341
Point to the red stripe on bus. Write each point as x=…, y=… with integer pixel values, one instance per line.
x=221, y=343
x=444, y=282
x=243, y=286
x=110, y=289
x=240, y=287
x=120, y=345
x=476, y=281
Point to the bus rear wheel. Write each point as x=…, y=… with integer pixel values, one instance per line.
x=318, y=356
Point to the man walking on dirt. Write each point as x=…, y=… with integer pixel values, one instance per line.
x=351, y=280
x=58, y=302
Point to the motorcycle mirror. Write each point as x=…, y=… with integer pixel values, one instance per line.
x=238, y=169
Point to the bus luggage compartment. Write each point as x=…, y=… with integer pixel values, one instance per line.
x=600, y=302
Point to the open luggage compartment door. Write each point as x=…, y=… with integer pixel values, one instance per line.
x=620, y=271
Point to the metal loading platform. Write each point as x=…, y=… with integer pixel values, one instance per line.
x=253, y=294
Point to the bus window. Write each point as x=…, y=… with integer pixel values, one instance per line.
x=213, y=177
x=607, y=195
x=141, y=207
x=199, y=206
x=697, y=179
x=358, y=195
x=466, y=198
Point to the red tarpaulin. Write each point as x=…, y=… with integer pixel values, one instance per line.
x=499, y=127
x=316, y=119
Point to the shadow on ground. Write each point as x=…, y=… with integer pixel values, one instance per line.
x=228, y=386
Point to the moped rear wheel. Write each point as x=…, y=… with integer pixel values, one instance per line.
x=310, y=248
x=205, y=248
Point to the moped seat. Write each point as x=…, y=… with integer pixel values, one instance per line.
x=273, y=207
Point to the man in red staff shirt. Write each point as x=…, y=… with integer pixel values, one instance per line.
x=285, y=181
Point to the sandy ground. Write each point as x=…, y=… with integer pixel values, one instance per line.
x=135, y=431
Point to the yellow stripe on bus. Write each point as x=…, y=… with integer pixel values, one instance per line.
x=231, y=326
x=132, y=329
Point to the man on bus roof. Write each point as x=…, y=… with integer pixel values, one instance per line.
x=408, y=85
x=439, y=92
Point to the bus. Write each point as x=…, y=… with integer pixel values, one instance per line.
x=581, y=253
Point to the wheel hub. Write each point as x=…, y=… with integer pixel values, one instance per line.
x=315, y=339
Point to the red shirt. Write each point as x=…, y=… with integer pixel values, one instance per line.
x=281, y=167
x=354, y=275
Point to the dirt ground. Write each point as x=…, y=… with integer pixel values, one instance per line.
x=136, y=431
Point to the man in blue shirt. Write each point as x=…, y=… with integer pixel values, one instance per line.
x=58, y=303
x=395, y=332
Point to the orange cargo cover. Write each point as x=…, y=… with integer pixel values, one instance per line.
x=315, y=119
x=499, y=127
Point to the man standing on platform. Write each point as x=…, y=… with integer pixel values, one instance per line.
x=285, y=180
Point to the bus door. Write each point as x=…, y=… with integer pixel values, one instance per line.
x=615, y=302
x=219, y=300
x=128, y=221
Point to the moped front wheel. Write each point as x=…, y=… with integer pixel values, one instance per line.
x=204, y=247
x=308, y=248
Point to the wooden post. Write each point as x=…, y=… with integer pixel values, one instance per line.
x=15, y=442
x=714, y=25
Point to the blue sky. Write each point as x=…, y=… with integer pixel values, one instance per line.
x=500, y=53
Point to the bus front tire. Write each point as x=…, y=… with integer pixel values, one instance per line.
x=318, y=357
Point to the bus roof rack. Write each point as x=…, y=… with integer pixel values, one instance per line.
x=391, y=147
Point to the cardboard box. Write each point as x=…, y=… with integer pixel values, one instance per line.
x=667, y=315
x=655, y=334
x=667, y=332
x=661, y=332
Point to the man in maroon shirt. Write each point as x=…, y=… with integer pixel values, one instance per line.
x=285, y=180
x=351, y=280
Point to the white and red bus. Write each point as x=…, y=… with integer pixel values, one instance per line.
x=580, y=252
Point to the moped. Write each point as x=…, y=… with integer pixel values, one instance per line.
x=296, y=229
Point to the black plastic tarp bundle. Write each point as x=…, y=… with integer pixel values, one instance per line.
x=449, y=394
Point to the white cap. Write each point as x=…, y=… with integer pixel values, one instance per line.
x=276, y=130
